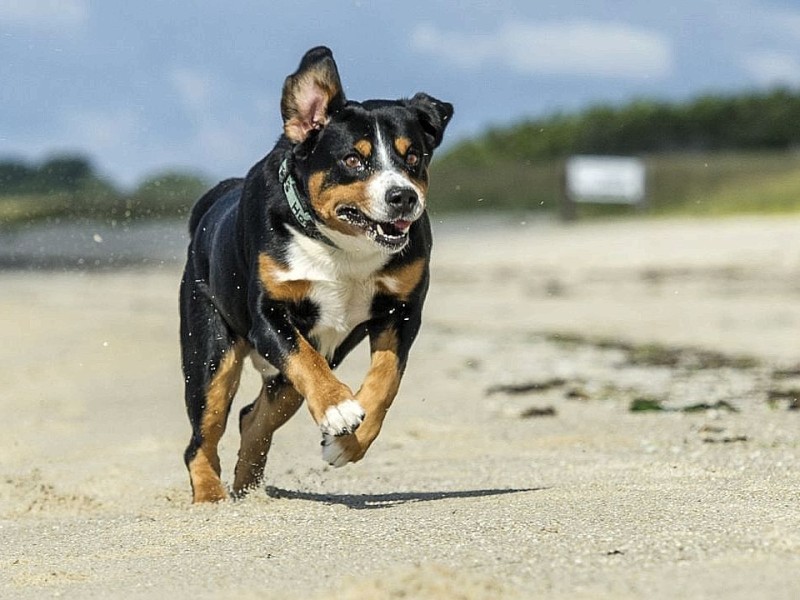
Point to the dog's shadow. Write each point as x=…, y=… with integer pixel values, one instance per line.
x=372, y=501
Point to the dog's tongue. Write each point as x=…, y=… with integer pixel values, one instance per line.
x=394, y=228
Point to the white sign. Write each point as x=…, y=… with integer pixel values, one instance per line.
x=605, y=179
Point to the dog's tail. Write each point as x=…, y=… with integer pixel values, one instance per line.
x=207, y=200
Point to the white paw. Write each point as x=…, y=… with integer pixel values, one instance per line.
x=333, y=451
x=342, y=419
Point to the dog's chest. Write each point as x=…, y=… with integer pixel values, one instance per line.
x=341, y=287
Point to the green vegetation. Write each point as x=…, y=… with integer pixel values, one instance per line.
x=659, y=355
x=714, y=155
x=68, y=187
x=678, y=183
x=648, y=404
x=165, y=194
x=707, y=124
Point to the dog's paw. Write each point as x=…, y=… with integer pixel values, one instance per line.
x=342, y=419
x=334, y=451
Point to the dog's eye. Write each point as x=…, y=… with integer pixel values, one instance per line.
x=353, y=161
x=412, y=159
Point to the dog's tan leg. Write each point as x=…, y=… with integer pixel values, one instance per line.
x=332, y=404
x=376, y=395
x=204, y=466
x=276, y=403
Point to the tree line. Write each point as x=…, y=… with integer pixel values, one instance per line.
x=69, y=185
x=59, y=173
x=748, y=121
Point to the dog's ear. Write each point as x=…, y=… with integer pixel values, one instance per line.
x=311, y=94
x=434, y=115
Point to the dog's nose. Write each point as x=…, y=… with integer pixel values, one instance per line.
x=402, y=198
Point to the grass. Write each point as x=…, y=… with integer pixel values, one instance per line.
x=165, y=195
x=765, y=194
x=506, y=185
x=678, y=184
x=20, y=208
x=722, y=184
x=26, y=208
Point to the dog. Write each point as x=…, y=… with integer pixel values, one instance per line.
x=324, y=243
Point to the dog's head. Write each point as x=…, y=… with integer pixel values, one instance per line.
x=364, y=165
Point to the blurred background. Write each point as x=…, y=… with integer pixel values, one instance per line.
x=636, y=369
x=121, y=112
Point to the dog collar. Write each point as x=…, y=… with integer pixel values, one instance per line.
x=301, y=214
x=299, y=211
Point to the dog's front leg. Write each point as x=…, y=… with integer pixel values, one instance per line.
x=390, y=342
x=332, y=404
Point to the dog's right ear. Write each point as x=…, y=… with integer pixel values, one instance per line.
x=434, y=116
x=311, y=94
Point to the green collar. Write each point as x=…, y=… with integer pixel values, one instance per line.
x=299, y=208
x=299, y=211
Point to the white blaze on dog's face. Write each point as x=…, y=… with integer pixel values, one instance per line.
x=395, y=195
x=364, y=165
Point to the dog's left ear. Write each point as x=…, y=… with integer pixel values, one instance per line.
x=434, y=115
x=311, y=94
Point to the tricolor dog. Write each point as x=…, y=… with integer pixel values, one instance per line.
x=325, y=242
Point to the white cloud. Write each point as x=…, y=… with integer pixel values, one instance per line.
x=785, y=20
x=101, y=130
x=195, y=89
x=220, y=136
x=127, y=145
x=108, y=136
x=750, y=23
x=593, y=48
x=45, y=14
x=225, y=143
x=769, y=67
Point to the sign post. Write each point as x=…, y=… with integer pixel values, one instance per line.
x=603, y=180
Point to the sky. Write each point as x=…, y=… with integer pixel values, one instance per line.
x=146, y=86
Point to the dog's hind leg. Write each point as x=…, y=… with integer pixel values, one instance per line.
x=276, y=403
x=212, y=364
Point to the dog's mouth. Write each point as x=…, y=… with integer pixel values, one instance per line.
x=389, y=234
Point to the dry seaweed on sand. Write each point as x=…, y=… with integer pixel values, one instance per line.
x=525, y=388
x=647, y=404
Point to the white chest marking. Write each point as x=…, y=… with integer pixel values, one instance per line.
x=342, y=284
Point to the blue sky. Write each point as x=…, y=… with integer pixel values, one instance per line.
x=144, y=86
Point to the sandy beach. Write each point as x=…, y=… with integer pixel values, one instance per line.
x=511, y=465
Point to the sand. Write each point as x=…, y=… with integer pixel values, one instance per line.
x=472, y=490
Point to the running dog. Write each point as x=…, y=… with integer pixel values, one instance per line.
x=325, y=242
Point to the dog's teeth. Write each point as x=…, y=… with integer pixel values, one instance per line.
x=380, y=229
